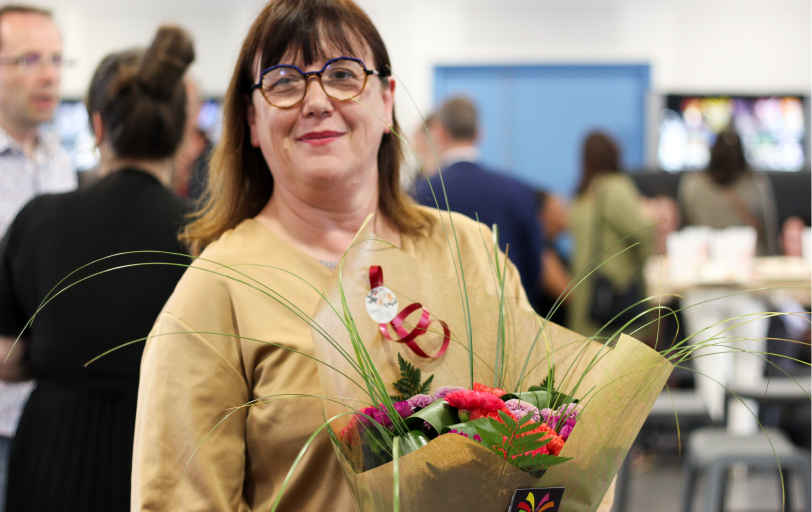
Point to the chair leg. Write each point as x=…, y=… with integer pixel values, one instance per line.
x=714, y=493
x=688, y=485
x=622, y=485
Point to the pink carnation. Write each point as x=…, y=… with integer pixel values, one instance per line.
x=381, y=415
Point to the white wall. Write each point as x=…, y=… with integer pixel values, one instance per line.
x=743, y=46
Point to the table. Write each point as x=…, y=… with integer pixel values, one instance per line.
x=793, y=276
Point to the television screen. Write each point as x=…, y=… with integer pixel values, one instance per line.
x=210, y=119
x=772, y=129
x=72, y=124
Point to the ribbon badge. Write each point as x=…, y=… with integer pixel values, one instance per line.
x=382, y=307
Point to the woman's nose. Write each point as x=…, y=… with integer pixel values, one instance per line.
x=316, y=101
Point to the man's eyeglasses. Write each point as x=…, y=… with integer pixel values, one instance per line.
x=32, y=61
x=285, y=86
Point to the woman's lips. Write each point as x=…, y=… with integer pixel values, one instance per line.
x=320, y=138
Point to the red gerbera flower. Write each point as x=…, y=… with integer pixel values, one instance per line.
x=498, y=393
x=467, y=400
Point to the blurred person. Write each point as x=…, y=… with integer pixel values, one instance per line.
x=792, y=237
x=663, y=213
x=193, y=146
x=607, y=210
x=32, y=160
x=482, y=194
x=425, y=165
x=554, y=219
x=728, y=194
x=73, y=447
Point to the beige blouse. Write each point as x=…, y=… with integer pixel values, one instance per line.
x=216, y=346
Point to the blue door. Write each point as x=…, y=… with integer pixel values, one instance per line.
x=534, y=118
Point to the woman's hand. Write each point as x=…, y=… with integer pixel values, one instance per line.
x=15, y=368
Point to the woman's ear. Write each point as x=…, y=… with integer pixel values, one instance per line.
x=98, y=128
x=389, y=103
x=251, y=116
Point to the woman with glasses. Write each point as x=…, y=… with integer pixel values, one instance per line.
x=73, y=448
x=307, y=153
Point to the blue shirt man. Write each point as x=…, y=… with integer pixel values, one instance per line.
x=483, y=194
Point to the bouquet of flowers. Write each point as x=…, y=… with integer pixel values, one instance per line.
x=515, y=415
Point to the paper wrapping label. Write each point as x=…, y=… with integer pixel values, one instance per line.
x=536, y=499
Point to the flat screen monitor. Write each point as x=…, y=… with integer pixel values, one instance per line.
x=72, y=124
x=773, y=130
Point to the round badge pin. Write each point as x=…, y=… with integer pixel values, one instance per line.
x=382, y=304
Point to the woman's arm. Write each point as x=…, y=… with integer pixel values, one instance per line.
x=189, y=382
x=12, y=365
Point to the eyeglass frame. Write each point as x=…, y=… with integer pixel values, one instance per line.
x=317, y=74
x=42, y=60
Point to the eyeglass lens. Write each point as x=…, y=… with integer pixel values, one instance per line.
x=285, y=86
x=34, y=60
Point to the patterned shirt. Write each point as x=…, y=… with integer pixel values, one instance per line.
x=21, y=178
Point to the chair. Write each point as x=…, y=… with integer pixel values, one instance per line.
x=714, y=451
x=684, y=404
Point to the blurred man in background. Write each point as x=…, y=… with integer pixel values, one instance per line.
x=482, y=194
x=32, y=160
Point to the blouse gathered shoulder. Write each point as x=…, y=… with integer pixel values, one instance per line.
x=235, y=331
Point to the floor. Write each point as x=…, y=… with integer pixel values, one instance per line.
x=656, y=485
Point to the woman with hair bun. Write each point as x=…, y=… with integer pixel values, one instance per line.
x=73, y=448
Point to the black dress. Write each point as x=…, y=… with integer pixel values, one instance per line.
x=73, y=447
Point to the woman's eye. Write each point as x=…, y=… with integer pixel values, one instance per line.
x=287, y=81
x=341, y=74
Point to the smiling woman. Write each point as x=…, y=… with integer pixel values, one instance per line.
x=307, y=153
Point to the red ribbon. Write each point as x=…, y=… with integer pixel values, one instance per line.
x=406, y=337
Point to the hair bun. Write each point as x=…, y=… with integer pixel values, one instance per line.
x=165, y=61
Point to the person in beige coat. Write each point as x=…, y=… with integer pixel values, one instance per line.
x=307, y=154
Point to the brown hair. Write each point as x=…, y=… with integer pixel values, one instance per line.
x=240, y=183
x=600, y=156
x=141, y=96
x=458, y=117
x=727, y=160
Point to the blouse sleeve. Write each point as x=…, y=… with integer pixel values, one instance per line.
x=189, y=383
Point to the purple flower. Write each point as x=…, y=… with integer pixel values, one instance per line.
x=521, y=409
x=445, y=390
x=566, y=430
x=420, y=401
x=477, y=438
x=380, y=415
x=569, y=412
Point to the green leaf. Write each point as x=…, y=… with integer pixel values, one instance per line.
x=547, y=383
x=469, y=427
x=535, y=398
x=409, y=384
x=438, y=414
x=491, y=439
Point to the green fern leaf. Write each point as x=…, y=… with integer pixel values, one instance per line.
x=409, y=383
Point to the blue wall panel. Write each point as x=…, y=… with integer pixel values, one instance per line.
x=534, y=118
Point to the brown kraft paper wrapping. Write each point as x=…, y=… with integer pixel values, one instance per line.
x=453, y=473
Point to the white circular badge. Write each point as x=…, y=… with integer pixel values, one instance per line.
x=382, y=305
